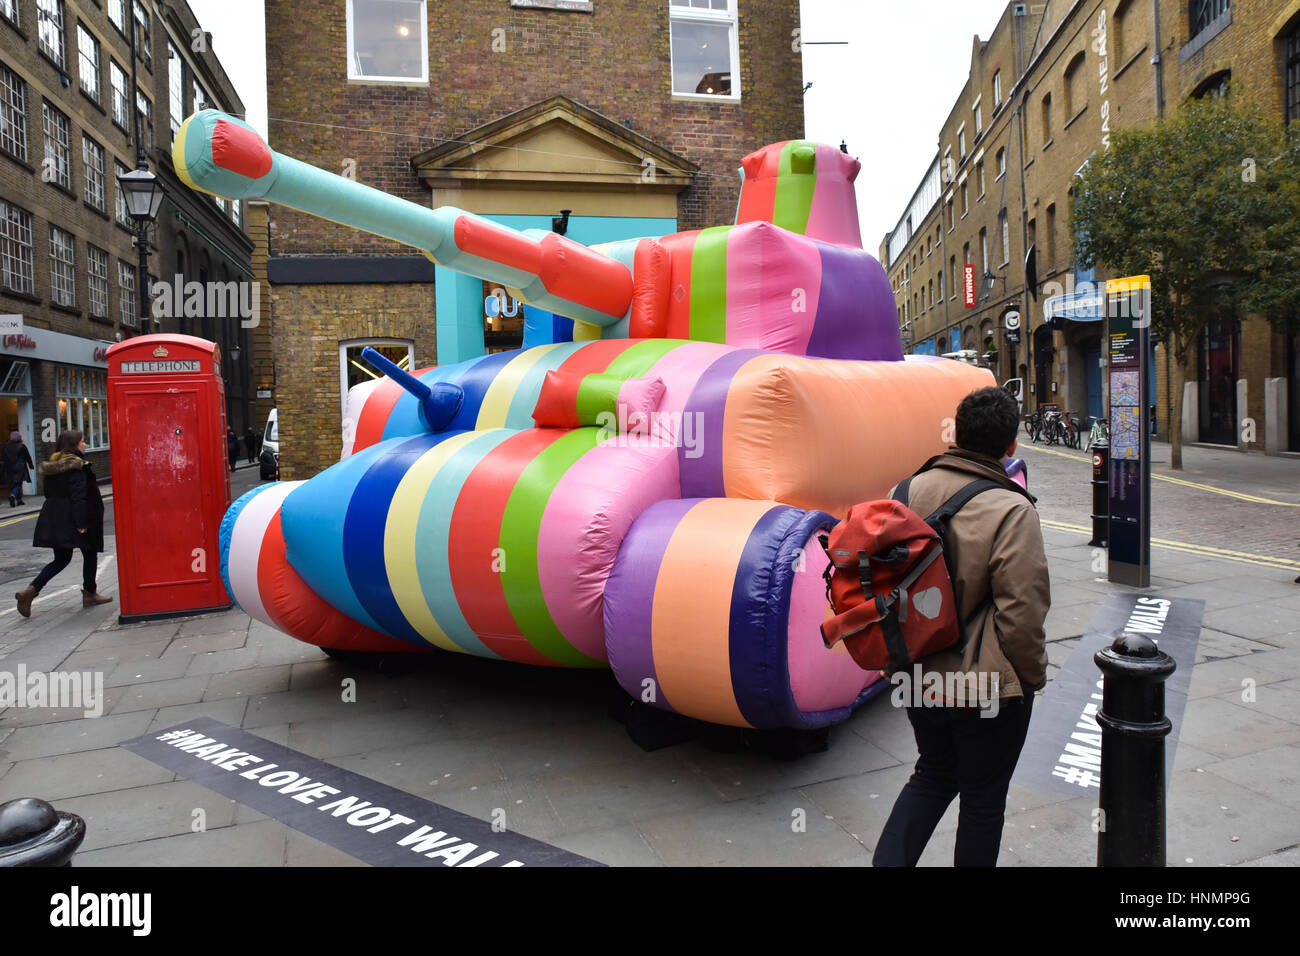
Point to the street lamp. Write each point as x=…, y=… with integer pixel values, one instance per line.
x=143, y=194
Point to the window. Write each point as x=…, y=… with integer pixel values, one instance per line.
x=83, y=405
x=9, y=10
x=1075, y=97
x=1005, y=230
x=940, y=283
x=952, y=262
x=175, y=90
x=144, y=109
x=235, y=215
x=984, y=252
x=126, y=292
x=961, y=142
x=1047, y=119
x=1002, y=163
x=120, y=211
x=705, y=50
x=1051, y=235
x=1201, y=14
x=979, y=177
x=1293, y=75
x=1119, y=32
x=92, y=155
x=997, y=89
x=117, y=94
x=1214, y=87
x=949, y=171
x=142, y=32
x=965, y=199
x=49, y=29
x=200, y=98
x=97, y=278
x=13, y=114
x=58, y=145
x=63, y=268
x=117, y=15
x=951, y=224
x=388, y=40
x=931, y=293
x=922, y=298
x=16, y=254
x=965, y=255
x=978, y=110
x=88, y=63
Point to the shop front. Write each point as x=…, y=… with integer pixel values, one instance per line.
x=51, y=382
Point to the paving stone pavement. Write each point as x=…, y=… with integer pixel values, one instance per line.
x=479, y=737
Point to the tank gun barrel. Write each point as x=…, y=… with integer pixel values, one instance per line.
x=224, y=156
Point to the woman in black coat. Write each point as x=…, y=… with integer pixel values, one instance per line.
x=71, y=518
x=17, y=459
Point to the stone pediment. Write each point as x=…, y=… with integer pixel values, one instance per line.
x=555, y=146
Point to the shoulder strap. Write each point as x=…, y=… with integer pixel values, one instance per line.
x=900, y=492
x=945, y=511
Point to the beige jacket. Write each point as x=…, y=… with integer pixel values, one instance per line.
x=996, y=543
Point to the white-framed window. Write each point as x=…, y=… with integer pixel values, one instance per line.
x=705, y=48
x=965, y=199
x=1006, y=237
x=17, y=257
x=388, y=41
x=63, y=267
x=58, y=144
x=13, y=114
x=82, y=396
x=961, y=142
x=9, y=10
x=117, y=15
x=49, y=29
x=979, y=177
x=88, y=62
x=997, y=89
x=201, y=101
x=144, y=107
x=236, y=216
x=142, y=32
x=117, y=93
x=120, y=212
x=126, y=292
x=353, y=369
x=175, y=89
x=92, y=155
x=978, y=110
x=97, y=280
x=1002, y=162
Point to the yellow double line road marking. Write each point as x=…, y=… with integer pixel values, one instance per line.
x=1241, y=495
x=1202, y=550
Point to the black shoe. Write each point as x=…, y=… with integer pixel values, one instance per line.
x=12, y=503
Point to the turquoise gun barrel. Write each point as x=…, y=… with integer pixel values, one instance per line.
x=222, y=155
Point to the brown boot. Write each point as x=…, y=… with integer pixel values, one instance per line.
x=91, y=598
x=25, y=598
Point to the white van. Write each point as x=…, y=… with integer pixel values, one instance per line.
x=269, y=460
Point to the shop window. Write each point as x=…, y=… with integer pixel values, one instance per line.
x=81, y=396
x=388, y=41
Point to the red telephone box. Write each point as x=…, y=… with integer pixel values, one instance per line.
x=171, y=486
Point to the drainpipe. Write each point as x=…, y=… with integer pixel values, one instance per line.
x=1156, y=60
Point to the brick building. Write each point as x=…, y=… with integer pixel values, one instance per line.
x=67, y=258
x=1043, y=93
x=631, y=114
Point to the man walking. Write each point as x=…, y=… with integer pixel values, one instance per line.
x=1001, y=586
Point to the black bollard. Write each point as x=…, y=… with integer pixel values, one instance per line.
x=1133, y=731
x=1100, y=494
x=33, y=833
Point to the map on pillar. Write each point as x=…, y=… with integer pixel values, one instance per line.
x=1125, y=433
x=1124, y=388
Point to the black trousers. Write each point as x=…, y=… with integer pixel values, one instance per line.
x=961, y=753
x=62, y=557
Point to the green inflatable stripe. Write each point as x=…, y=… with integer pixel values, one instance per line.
x=794, y=193
x=637, y=360
x=709, y=285
x=520, y=529
x=598, y=393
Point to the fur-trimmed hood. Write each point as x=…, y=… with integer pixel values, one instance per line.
x=60, y=463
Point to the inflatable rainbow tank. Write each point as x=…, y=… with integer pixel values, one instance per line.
x=645, y=497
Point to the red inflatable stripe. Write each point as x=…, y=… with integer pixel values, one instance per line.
x=240, y=150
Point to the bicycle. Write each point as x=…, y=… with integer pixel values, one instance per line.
x=1098, y=431
x=1072, y=428
x=1034, y=425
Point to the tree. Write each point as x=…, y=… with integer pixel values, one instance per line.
x=1207, y=202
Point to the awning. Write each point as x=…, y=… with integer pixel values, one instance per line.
x=1084, y=306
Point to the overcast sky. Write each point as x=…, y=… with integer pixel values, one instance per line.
x=885, y=92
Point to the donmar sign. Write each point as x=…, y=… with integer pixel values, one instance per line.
x=968, y=283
